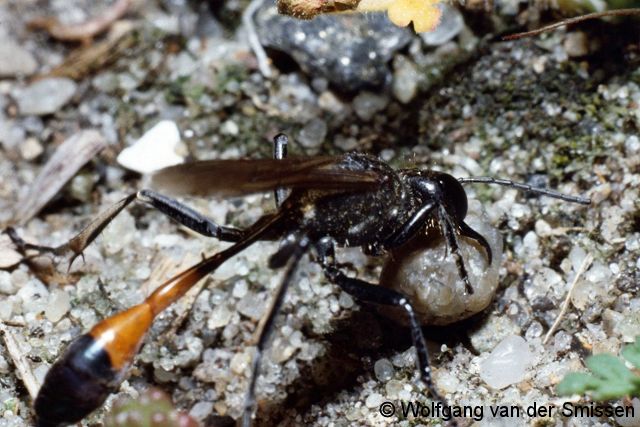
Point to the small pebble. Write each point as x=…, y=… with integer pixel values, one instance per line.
x=251, y=305
x=240, y=289
x=367, y=104
x=345, y=300
x=561, y=341
x=220, y=316
x=6, y=309
x=58, y=306
x=6, y=287
x=383, y=369
x=239, y=363
x=81, y=186
x=34, y=296
x=393, y=388
x=405, y=79
x=576, y=44
x=30, y=149
x=201, y=410
x=313, y=133
x=45, y=96
x=229, y=128
x=450, y=26
x=329, y=102
x=507, y=364
x=15, y=60
x=155, y=150
x=373, y=400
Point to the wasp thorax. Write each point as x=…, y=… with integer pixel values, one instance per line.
x=424, y=271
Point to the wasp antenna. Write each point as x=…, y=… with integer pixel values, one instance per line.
x=575, y=20
x=527, y=187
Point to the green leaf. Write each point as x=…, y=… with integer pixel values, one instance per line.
x=608, y=366
x=577, y=383
x=612, y=390
x=611, y=378
x=632, y=353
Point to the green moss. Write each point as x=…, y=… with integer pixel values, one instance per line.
x=230, y=73
x=183, y=91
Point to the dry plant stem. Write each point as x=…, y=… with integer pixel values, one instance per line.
x=20, y=361
x=577, y=19
x=87, y=60
x=86, y=31
x=254, y=40
x=565, y=305
x=68, y=159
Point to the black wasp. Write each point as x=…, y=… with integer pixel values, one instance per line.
x=348, y=200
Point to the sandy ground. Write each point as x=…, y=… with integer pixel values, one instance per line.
x=560, y=111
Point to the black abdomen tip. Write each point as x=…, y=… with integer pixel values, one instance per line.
x=76, y=385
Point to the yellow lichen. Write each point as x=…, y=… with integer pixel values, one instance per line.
x=424, y=14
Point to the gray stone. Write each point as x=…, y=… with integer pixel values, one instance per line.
x=313, y=133
x=405, y=79
x=367, y=104
x=350, y=50
x=15, y=60
x=450, y=26
x=45, y=96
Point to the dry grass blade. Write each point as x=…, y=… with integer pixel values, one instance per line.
x=93, y=58
x=586, y=263
x=20, y=361
x=72, y=154
x=254, y=40
x=85, y=31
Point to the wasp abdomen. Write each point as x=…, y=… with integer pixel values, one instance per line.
x=76, y=384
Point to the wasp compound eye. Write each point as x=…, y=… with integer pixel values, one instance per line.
x=454, y=195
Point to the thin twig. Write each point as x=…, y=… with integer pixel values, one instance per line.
x=20, y=361
x=617, y=12
x=565, y=305
x=14, y=323
x=254, y=40
x=64, y=164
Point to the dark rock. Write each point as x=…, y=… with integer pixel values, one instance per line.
x=350, y=50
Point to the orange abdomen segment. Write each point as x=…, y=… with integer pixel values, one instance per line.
x=121, y=335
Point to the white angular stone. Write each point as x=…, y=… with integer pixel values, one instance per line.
x=58, y=306
x=507, y=364
x=156, y=149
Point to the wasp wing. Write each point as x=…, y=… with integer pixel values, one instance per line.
x=238, y=177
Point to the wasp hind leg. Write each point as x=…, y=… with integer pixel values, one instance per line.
x=175, y=210
x=95, y=363
x=288, y=255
